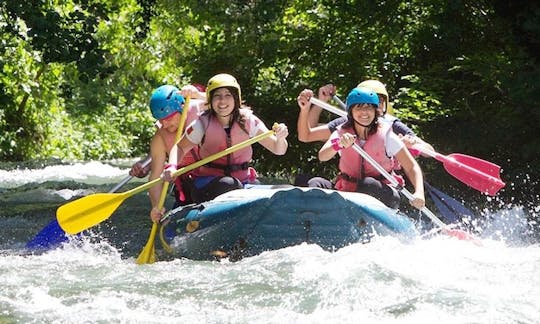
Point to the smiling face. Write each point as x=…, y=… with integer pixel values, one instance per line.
x=223, y=102
x=363, y=114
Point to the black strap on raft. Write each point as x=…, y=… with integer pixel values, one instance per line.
x=349, y=178
x=228, y=169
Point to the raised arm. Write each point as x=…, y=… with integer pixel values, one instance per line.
x=325, y=93
x=307, y=133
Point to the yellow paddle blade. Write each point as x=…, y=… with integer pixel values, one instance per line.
x=83, y=213
x=148, y=254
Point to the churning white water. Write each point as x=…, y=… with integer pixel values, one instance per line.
x=435, y=280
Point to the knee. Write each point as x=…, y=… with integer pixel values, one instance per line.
x=369, y=184
x=318, y=182
x=230, y=182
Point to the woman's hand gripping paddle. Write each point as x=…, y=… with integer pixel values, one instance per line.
x=445, y=229
x=148, y=253
x=83, y=213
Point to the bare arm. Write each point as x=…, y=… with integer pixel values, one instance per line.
x=177, y=154
x=325, y=93
x=328, y=150
x=159, y=157
x=414, y=173
x=306, y=133
x=413, y=142
x=276, y=144
x=140, y=171
x=192, y=92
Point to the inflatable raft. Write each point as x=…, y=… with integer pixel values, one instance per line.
x=247, y=222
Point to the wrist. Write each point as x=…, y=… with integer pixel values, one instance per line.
x=336, y=145
x=170, y=166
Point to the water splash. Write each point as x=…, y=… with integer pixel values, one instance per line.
x=387, y=281
x=88, y=172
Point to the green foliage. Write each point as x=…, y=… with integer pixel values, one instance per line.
x=76, y=75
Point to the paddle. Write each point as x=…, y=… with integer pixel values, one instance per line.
x=462, y=235
x=85, y=212
x=474, y=172
x=148, y=253
x=456, y=233
x=478, y=174
x=53, y=235
x=450, y=209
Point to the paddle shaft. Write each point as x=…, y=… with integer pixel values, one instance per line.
x=144, y=164
x=396, y=185
x=340, y=103
x=200, y=163
x=482, y=181
x=83, y=213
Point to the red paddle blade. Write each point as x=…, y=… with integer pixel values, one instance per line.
x=477, y=173
x=461, y=235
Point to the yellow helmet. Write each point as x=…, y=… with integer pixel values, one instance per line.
x=219, y=81
x=379, y=88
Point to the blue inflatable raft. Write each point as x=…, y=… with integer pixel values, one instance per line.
x=247, y=222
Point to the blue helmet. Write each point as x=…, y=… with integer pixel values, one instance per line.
x=165, y=100
x=362, y=95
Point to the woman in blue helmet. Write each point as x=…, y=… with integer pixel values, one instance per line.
x=377, y=139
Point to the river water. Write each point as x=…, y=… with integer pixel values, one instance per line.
x=94, y=279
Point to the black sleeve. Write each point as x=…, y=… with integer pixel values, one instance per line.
x=400, y=128
x=333, y=124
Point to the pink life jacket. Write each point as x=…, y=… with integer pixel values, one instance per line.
x=352, y=165
x=217, y=139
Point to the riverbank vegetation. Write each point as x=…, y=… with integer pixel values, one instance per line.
x=77, y=74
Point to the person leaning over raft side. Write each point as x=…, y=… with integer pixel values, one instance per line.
x=225, y=124
x=197, y=94
x=377, y=139
x=166, y=105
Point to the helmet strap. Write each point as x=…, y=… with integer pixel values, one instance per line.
x=171, y=115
